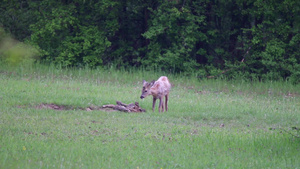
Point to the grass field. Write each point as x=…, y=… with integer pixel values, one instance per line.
x=210, y=123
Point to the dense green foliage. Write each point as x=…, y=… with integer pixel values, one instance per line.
x=252, y=39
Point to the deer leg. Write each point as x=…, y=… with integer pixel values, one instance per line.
x=162, y=104
x=167, y=98
x=153, y=105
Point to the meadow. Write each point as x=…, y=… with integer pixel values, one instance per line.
x=211, y=123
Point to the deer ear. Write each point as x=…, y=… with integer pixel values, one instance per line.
x=152, y=83
x=144, y=82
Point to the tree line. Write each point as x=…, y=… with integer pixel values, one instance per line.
x=242, y=38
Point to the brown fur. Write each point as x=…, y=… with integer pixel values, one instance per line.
x=158, y=89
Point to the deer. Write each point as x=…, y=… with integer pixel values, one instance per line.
x=158, y=89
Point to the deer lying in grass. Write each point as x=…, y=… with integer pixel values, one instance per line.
x=158, y=89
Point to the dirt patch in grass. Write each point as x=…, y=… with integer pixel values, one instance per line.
x=107, y=108
x=53, y=107
x=63, y=107
x=292, y=95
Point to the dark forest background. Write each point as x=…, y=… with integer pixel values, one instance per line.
x=242, y=38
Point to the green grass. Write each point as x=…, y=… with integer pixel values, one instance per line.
x=189, y=135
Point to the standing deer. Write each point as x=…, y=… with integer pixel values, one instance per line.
x=158, y=89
